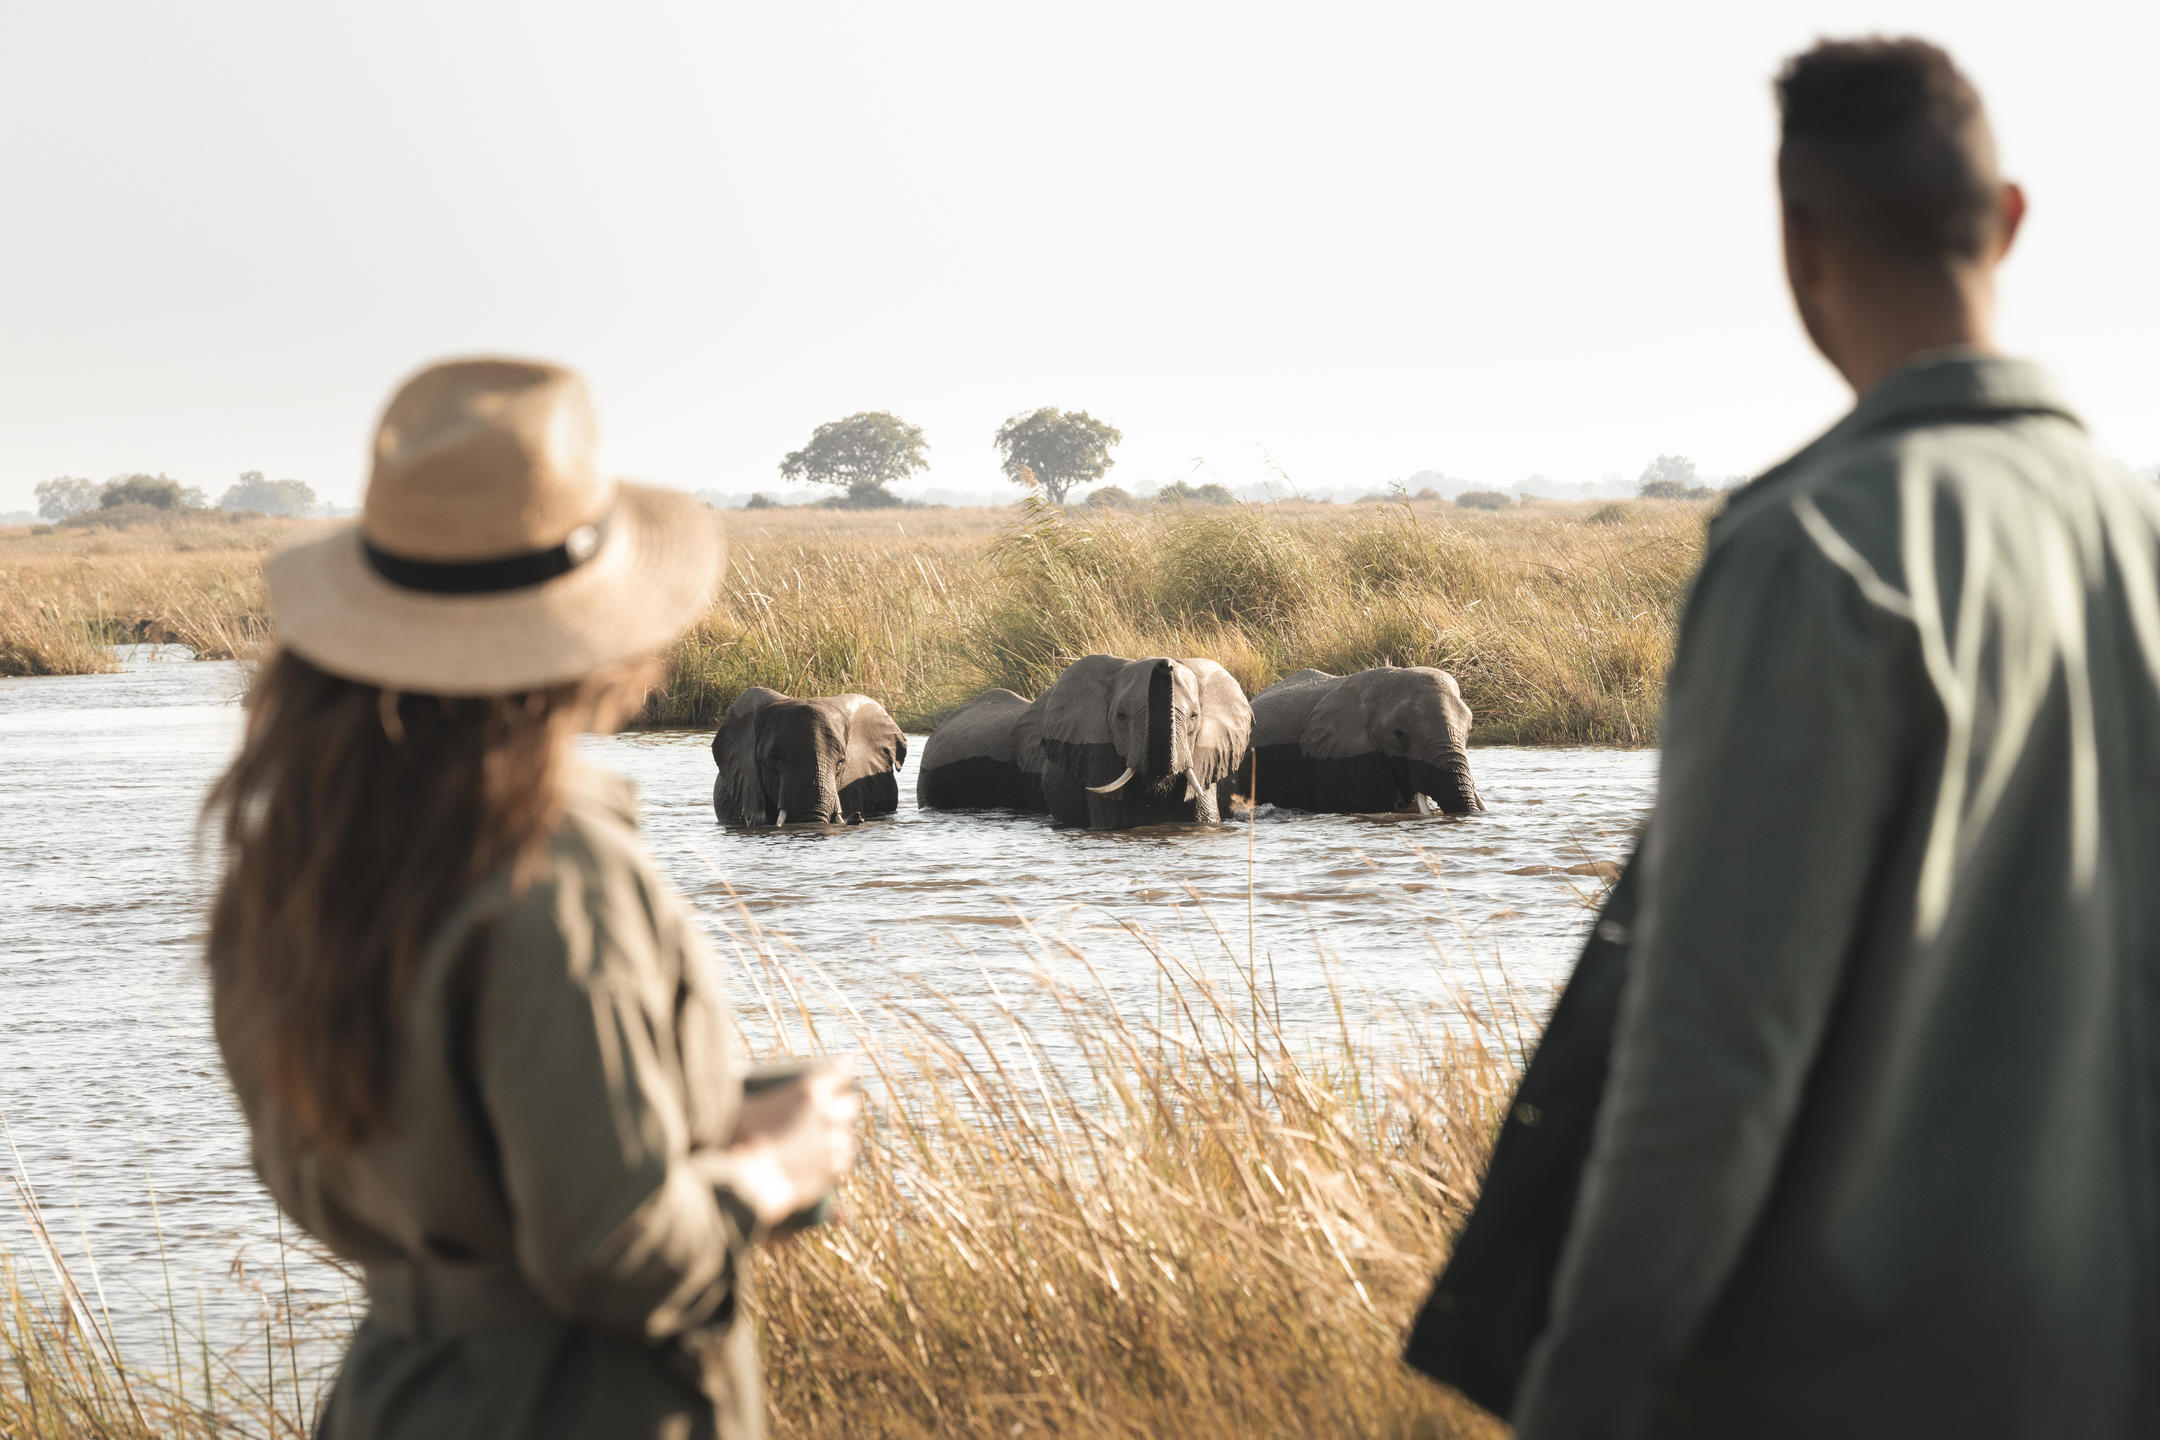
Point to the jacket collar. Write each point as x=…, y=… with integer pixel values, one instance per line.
x=588, y=785
x=1941, y=385
x=1947, y=384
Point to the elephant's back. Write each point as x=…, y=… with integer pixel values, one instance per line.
x=983, y=726
x=971, y=761
x=1279, y=712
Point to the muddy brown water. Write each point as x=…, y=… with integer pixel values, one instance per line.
x=112, y=1092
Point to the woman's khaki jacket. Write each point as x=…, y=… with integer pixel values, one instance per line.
x=551, y=1243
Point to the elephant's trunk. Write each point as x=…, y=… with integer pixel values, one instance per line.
x=1162, y=753
x=1158, y=749
x=813, y=797
x=1447, y=782
x=1458, y=794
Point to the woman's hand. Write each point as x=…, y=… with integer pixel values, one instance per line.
x=793, y=1142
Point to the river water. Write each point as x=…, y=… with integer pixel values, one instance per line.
x=120, y=1120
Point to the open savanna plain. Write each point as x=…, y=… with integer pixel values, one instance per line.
x=1557, y=620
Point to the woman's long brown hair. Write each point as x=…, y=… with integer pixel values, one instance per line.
x=354, y=820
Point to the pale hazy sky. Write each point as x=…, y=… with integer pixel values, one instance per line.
x=1493, y=240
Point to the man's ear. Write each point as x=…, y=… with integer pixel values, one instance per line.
x=2012, y=216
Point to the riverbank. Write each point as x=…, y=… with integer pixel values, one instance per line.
x=1069, y=1219
x=1557, y=620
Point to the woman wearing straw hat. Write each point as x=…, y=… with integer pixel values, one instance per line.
x=479, y=1041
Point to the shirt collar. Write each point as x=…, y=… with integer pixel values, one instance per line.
x=612, y=793
x=1951, y=384
x=1945, y=384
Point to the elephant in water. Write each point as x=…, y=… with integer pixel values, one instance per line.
x=988, y=755
x=1380, y=740
x=819, y=761
x=1138, y=742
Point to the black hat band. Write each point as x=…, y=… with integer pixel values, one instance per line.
x=488, y=577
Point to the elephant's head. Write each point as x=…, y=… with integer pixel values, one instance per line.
x=1154, y=708
x=1415, y=718
x=786, y=761
x=1177, y=727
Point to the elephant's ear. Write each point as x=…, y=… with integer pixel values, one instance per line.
x=1076, y=710
x=734, y=750
x=1340, y=726
x=875, y=745
x=1224, y=733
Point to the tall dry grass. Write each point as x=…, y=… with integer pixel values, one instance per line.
x=66, y=596
x=1558, y=629
x=1070, y=1219
x=1557, y=621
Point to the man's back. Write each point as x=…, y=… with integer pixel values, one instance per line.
x=1882, y=1141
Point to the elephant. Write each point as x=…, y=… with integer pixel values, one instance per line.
x=1139, y=742
x=988, y=755
x=1381, y=740
x=823, y=761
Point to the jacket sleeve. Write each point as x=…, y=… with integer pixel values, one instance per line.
x=1782, y=768
x=617, y=1221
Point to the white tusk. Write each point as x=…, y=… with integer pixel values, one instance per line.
x=782, y=821
x=1424, y=803
x=1192, y=787
x=1117, y=784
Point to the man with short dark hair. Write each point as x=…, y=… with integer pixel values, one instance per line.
x=1879, y=1154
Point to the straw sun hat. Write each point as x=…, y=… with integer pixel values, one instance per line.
x=491, y=555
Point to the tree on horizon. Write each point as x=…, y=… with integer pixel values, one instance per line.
x=862, y=455
x=159, y=492
x=268, y=497
x=1059, y=448
x=64, y=497
x=1671, y=477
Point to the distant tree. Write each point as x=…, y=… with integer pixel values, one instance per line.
x=862, y=455
x=1484, y=500
x=1058, y=448
x=267, y=497
x=1672, y=477
x=759, y=500
x=63, y=496
x=155, y=491
x=1178, y=492
x=1111, y=497
x=1428, y=493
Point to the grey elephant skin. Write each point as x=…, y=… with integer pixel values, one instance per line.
x=988, y=755
x=1142, y=742
x=1366, y=743
x=827, y=760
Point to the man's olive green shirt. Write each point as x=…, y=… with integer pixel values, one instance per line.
x=1880, y=1154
